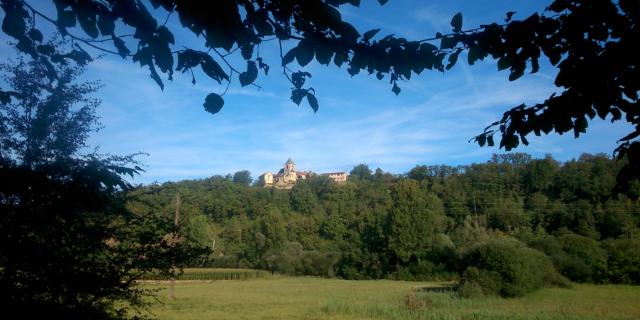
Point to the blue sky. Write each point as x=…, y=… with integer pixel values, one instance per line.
x=360, y=120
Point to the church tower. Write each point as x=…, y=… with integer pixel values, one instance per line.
x=289, y=166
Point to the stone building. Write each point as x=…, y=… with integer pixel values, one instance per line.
x=336, y=176
x=287, y=177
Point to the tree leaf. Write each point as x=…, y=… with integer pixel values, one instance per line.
x=212, y=69
x=515, y=74
x=456, y=22
x=190, y=58
x=453, y=58
x=154, y=75
x=66, y=19
x=297, y=95
x=473, y=55
x=46, y=49
x=323, y=55
x=481, y=139
x=313, y=102
x=261, y=23
x=289, y=56
x=509, y=15
x=249, y=76
x=80, y=56
x=106, y=24
x=247, y=51
x=504, y=63
x=35, y=35
x=123, y=51
x=396, y=89
x=263, y=66
x=164, y=59
x=88, y=24
x=535, y=66
x=213, y=103
x=298, y=79
x=630, y=136
x=165, y=35
x=304, y=53
x=370, y=34
x=339, y=59
x=447, y=43
x=13, y=23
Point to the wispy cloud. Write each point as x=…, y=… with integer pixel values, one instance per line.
x=433, y=16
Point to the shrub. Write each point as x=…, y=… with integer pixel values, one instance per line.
x=470, y=290
x=623, y=260
x=579, y=258
x=292, y=259
x=478, y=283
x=507, y=268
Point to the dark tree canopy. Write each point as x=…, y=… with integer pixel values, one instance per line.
x=69, y=248
x=49, y=121
x=242, y=177
x=590, y=42
x=360, y=171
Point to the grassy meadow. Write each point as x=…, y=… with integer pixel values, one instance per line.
x=316, y=298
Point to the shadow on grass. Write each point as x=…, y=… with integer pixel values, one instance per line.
x=442, y=289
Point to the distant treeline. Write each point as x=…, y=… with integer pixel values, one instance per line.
x=506, y=226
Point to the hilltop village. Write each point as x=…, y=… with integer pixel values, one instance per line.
x=287, y=177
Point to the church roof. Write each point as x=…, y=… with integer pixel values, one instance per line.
x=289, y=161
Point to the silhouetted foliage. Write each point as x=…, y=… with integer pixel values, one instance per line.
x=66, y=248
x=69, y=248
x=46, y=121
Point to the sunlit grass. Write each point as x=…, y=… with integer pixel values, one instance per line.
x=314, y=298
x=580, y=302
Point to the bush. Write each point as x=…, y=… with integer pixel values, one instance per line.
x=292, y=259
x=579, y=258
x=470, y=290
x=476, y=283
x=623, y=260
x=507, y=268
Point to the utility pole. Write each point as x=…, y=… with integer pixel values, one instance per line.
x=176, y=223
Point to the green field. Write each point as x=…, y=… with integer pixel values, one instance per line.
x=315, y=298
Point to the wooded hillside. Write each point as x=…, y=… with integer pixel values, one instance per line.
x=434, y=222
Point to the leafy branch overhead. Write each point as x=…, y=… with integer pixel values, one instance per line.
x=590, y=42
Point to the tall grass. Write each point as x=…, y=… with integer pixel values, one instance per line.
x=586, y=302
x=213, y=274
x=319, y=299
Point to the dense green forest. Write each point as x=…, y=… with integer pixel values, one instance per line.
x=507, y=226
